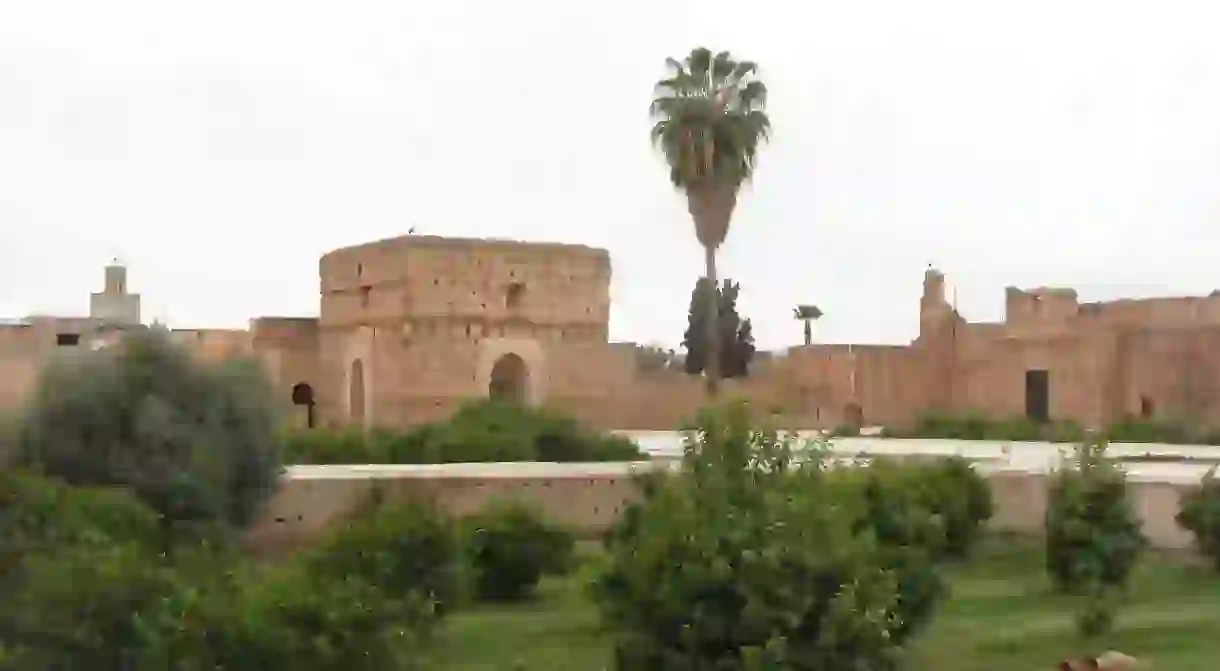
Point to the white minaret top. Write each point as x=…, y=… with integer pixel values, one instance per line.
x=116, y=278
x=114, y=304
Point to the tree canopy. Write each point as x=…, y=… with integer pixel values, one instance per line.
x=736, y=334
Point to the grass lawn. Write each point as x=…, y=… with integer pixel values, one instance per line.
x=1000, y=616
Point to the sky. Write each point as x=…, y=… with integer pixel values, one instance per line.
x=220, y=148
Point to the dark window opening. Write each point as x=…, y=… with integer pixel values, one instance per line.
x=853, y=414
x=514, y=295
x=1038, y=395
x=302, y=395
x=359, y=269
x=1147, y=408
x=67, y=339
x=364, y=296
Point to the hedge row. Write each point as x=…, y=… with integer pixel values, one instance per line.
x=981, y=427
x=480, y=431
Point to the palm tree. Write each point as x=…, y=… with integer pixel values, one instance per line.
x=807, y=314
x=709, y=122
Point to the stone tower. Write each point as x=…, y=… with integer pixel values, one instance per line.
x=114, y=305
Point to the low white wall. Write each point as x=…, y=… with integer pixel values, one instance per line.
x=590, y=497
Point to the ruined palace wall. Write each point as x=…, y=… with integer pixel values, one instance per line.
x=558, y=291
x=214, y=344
x=288, y=348
x=990, y=367
x=883, y=382
x=1155, y=312
x=20, y=363
x=1177, y=371
x=425, y=315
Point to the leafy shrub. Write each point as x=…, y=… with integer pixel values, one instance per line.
x=951, y=489
x=744, y=560
x=1093, y=536
x=510, y=547
x=286, y=619
x=196, y=442
x=845, y=431
x=976, y=426
x=407, y=550
x=1200, y=515
x=327, y=446
x=77, y=607
x=886, y=500
x=42, y=514
x=1135, y=430
x=480, y=431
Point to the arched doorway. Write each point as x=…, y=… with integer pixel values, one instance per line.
x=302, y=397
x=509, y=379
x=355, y=393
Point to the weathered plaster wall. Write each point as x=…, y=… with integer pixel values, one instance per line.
x=590, y=497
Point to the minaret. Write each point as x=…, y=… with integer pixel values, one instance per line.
x=932, y=305
x=114, y=305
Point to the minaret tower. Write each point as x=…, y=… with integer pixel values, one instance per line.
x=114, y=305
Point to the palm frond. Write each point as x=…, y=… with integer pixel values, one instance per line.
x=709, y=117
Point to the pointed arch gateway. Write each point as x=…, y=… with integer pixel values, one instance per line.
x=509, y=379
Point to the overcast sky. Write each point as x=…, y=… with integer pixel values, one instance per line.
x=221, y=147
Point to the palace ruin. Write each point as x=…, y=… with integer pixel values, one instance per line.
x=410, y=327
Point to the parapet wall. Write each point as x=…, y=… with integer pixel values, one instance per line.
x=588, y=498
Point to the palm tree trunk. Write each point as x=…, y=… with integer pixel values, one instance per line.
x=808, y=333
x=712, y=368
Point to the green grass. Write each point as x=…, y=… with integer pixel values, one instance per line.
x=1000, y=616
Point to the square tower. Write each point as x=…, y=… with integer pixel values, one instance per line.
x=113, y=304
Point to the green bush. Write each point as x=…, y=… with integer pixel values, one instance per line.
x=977, y=426
x=327, y=446
x=889, y=506
x=196, y=442
x=1093, y=536
x=845, y=431
x=1135, y=430
x=744, y=560
x=951, y=489
x=85, y=582
x=1200, y=515
x=81, y=568
x=407, y=550
x=79, y=607
x=286, y=619
x=480, y=431
x=42, y=514
x=510, y=547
